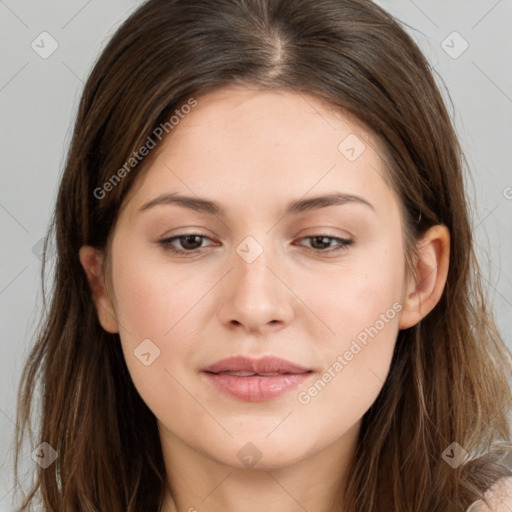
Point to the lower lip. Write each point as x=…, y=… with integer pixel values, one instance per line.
x=257, y=388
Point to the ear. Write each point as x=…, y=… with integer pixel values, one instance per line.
x=92, y=262
x=425, y=288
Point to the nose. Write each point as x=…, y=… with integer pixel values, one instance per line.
x=255, y=298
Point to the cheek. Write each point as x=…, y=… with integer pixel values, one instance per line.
x=152, y=297
x=158, y=309
x=362, y=306
x=365, y=287
x=159, y=316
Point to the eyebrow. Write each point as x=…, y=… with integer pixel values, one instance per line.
x=295, y=207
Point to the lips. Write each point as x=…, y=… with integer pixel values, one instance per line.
x=255, y=380
x=244, y=366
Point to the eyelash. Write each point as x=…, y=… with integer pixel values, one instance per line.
x=167, y=244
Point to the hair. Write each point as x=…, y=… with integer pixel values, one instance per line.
x=448, y=380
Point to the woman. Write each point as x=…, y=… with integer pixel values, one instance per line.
x=266, y=296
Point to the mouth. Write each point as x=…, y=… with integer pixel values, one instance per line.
x=255, y=380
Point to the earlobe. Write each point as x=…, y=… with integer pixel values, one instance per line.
x=426, y=287
x=92, y=263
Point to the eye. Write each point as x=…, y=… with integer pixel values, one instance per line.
x=191, y=243
x=323, y=243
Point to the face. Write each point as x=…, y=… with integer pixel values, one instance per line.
x=269, y=272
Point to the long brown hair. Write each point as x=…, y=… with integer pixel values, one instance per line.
x=449, y=375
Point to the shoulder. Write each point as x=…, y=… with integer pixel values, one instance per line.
x=499, y=496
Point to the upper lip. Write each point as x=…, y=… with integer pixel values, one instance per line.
x=268, y=364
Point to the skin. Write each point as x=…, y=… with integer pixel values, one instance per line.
x=254, y=152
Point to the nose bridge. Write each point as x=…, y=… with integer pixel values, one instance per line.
x=253, y=280
x=255, y=297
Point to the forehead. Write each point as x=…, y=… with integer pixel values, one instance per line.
x=242, y=111
x=273, y=142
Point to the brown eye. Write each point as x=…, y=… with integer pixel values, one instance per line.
x=322, y=243
x=188, y=243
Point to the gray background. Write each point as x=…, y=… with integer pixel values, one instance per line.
x=39, y=96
